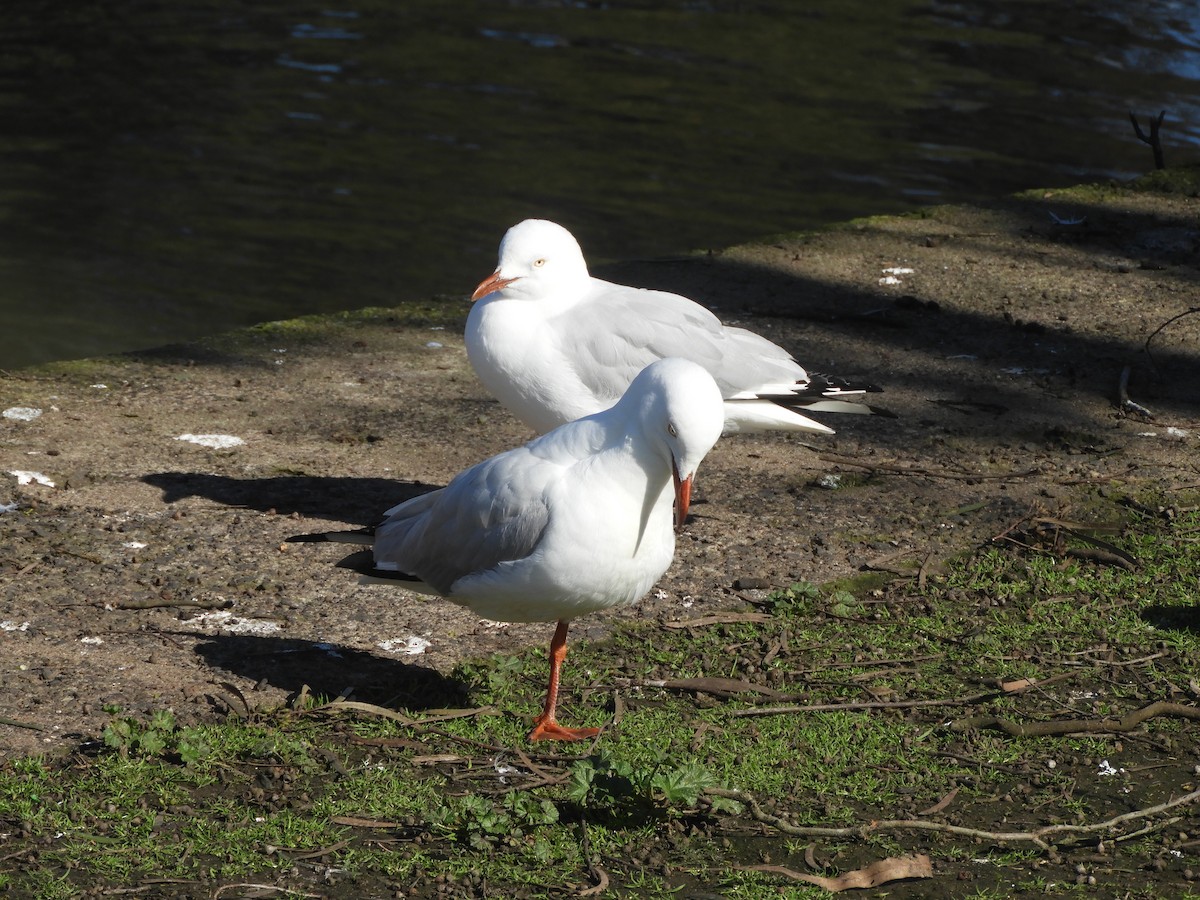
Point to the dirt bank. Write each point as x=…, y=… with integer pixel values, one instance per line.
x=150, y=570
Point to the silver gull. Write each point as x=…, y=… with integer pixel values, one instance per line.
x=576, y=521
x=553, y=343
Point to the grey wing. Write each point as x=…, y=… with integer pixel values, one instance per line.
x=491, y=513
x=625, y=329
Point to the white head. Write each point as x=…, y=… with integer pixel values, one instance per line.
x=537, y=258
x=680, y=411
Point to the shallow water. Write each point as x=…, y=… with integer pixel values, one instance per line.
x=168, y=170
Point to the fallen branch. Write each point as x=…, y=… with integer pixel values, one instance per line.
x=1075, y=726
x=1046, y=529
x=1038, y=836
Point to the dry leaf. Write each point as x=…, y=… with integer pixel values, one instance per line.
x=893, y=868
x=941, y=804
x=1019, y=684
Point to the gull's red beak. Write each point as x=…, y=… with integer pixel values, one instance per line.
x=683, y=496
x=491, y=284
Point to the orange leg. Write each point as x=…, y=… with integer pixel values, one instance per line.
x=545, y=728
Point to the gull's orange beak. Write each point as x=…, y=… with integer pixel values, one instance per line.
x=491, y=284
x=683, y=496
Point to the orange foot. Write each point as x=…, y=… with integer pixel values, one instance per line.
x=550, y=730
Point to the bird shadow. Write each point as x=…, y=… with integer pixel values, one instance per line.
x=328, y=670
x=1174, y=618
x=360, y=501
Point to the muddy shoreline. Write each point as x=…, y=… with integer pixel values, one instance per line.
x=151, y=570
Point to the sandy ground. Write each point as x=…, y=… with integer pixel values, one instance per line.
x=150, y=571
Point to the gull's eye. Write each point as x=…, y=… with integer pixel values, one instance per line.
x=671, y=430
x=538, y=263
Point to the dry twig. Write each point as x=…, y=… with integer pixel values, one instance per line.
x=260, y=890
x=1175, y=318
x=160, y=603
x=1038, y=836
x=16, y=723
x=894, y=469
x=724, y=687
x=722, y=619
x=855, y=705
x=1126, y=723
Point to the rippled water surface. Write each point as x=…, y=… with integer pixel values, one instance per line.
x=172, y=169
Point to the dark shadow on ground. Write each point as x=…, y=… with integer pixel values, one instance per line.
x=329, y=671
x=972, y=358
x=1119, y=241
x=1174, y=618
x=360, y=501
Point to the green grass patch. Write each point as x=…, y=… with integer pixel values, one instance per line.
x=845, y=707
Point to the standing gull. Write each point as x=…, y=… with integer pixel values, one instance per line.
x=553, y=343
x=576, y=521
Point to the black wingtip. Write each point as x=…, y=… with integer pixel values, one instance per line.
x=363, y=562
x=818, y=383
x=359, y=536
x=387, y=575
x=317, y=537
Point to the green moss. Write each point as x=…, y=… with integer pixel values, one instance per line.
x=1174, y=180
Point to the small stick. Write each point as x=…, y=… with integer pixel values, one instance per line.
x=158, y=603
x=15, y=723
x=1146, y=347
x=1074, y=726
x=899, y=704
x=915, y=470
x=1037, y=836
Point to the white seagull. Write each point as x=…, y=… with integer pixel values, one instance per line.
x=552, y=343
x=577, y=520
